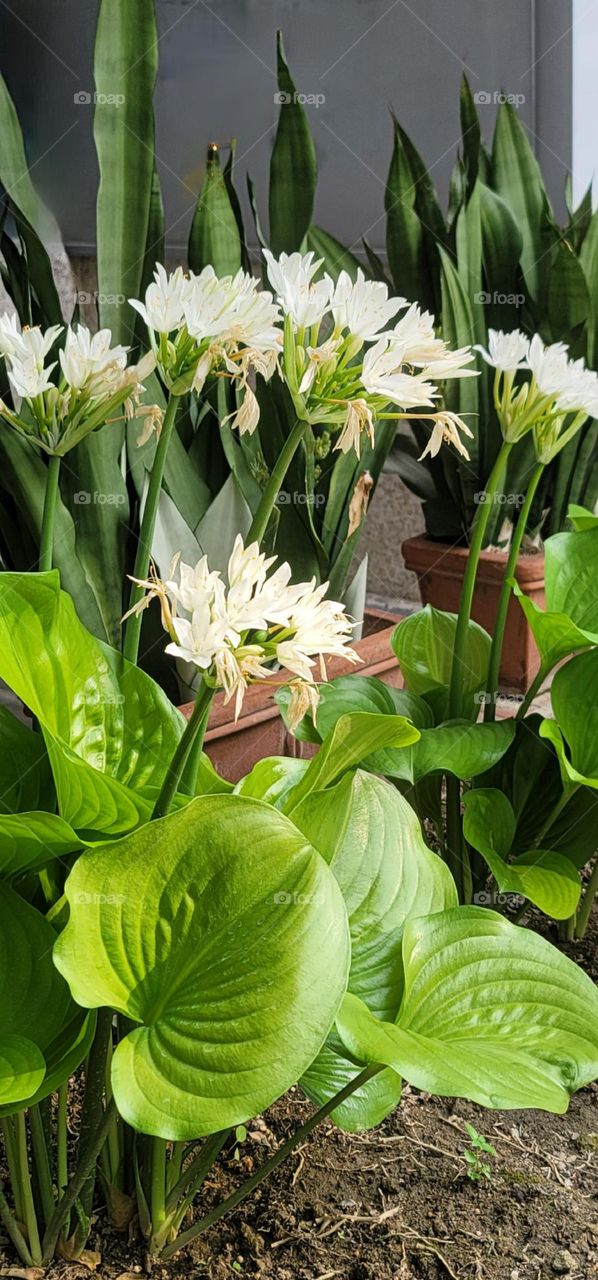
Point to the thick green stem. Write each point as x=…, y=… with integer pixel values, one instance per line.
x=146, y=533
x=268, y=1167
x=478, y=532
x=86, y=1166
x=498, y=633
x=12, y=1160
x=194, y=731
x=587, y=902
x=158, y=1185
x=46, y=545
x=26, y=1191
x=62, y=1172
x=13, y=1230
x=42, y=1162
x=261, y=518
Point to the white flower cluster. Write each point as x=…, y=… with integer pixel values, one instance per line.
x=314, y=332
x=557, y=387
x=71, y=395
x=233, y=631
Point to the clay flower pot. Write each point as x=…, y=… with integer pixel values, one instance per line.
x=440, y=568
x=235, y=746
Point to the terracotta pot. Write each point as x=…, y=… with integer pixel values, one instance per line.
x=234, y=747
x=440, y=568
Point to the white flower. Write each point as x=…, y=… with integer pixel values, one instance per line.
x=163, y=310
x=301, y=297
x=199, y=639
x=450, y=364
x=416, y=331
x=25, y=353
x=506, y=351
x=317, y=357
x=363, y=306
x=211, y=302
x=359, y=418
x=572, y=385
x=27, y=379
x=35, y=343
x=255, y=320
x=446, y=430
x=10, y=335
x=88, y=361
x=383, y=375
x=321, y=629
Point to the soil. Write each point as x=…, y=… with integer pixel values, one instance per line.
x=396, y=1203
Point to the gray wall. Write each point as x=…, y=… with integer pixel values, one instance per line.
x=217, y=80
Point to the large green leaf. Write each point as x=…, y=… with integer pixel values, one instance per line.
x=405, y=234
x=221, y=931
x=548, y=879
x=293, y=170
x=372, y=841
x=14, y=171
x=463, y=749
x=334, y=255
x=125, y=64
x=490, y=1012
x=518, y=180
x=109, y=729
x=214, y=237
x=43, y=1034
x=424, y=644
x=574, y=696
x=570, y=621
x=352, y=739
x=25, y=774
x=29, y=841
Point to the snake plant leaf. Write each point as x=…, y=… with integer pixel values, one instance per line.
x=110, y=731
x=223, y=934
x=353, y=738
x=471, y=135
x=335, y=256
x=548, y=879
x=516, y=177
x=214, y=237
x=44, y=1035
x=490, y=1012
x=25, y=774
x=502, y=245
x=39, y=270
x=405, y=235
x=460, y=316
x=293, y=170
x=424, y=643
x=574, y=732
x=125, y=59
x=373, y=844
x=568, y=295
x=14, y=172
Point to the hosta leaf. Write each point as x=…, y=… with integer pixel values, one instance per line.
x=490, y=1012
x=25, y=774
x=352, y=739
x=29, y=841
x=372, y=840
x=556, y=634
x=463, y=749
x=222, y=933
x=292, y=167
x=110, y=731
x=548, y=879
x=424, y=643
x=271, y=779
x=575, y=735
x=44, y=1035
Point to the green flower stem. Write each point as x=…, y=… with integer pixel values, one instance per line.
x=535, y=685
x=85, y=1168
x=158, y=1185
x=585, y=908
x=480, y=525
x=270, y=1165
x=42, y=1162
x=46, y=545
x=10, y=1148
x=62, y=1172
x=13, y=1230
x=26, y=1190
x=146, y=533
x=194, y=731
x=455, y=845
x=498, y=633
x=261, y=519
